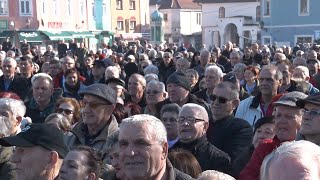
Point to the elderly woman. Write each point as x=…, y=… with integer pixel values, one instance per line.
x=193, y=78
x=264, y=128
x=81, y=162
x=70, y=108
x=155, y=93
x=72, y=84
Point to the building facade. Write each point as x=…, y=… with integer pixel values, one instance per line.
x=230, y=20
x=290, y=22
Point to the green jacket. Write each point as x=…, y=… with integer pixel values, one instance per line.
x=6, y=167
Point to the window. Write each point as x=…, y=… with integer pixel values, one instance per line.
x=105, y=10
x=4, y=7
x=132, y=5
x=165, y=17
x=258, y=13
x=55, y=7
x=82, y=8
x=43, y=6
x=222, y=12
x=301, y=39
x=69, y=7
x=25, y=7
x=304, y=7
x=132, y=23
x=198, y=18
x=266, y=8
x=119, y=4
x=266, y=40
x=119, y=23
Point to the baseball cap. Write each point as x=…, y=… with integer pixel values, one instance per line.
x=101, y=91
x=312, y=99
x=290, y=99
x=45, y=135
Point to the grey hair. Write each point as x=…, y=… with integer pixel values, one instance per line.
x=2, y=54
x=159, y=84
x=17, y=107
x=42, y=76
x=149, y=76
x=9, y=59
x=172, y=107
x=278, y=74
x=215, y=69
x=5, y=127
x=300, y=58
x=214, y=175
x=151, y=69
x=64, y=123
x=146, y=57
x=234, y=89
x=152, y=53
x=303, y=69
x=205, y=51
x=295, y=149
x=140, y=78
x=158, y=129
x=203, y=111
x=239, y=66
x=235, y=53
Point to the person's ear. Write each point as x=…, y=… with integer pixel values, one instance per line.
x=235, y=103
x=18, y=120
x=91, y=176
x=206, y=126
x=165, y=95
x=164, y=153
x=52, y=161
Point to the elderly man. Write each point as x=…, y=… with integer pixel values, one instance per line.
x=310, y=126
x=213, y=75
x=178, y=88
x=193, y=123
x=117, y=85
x=166, y=67
x=287, y=118
x=43, y=100
x=39, y=151
x=229, y=134
x=292, y=160
x=205, y=57
x=144, y=150
x=10, y=82
x=301, y=73
x=97, y=72
x=111, y=72
x=254, y=108
x=298, y=61
x=97, y=120
x=182, y=65
x=136, y=86
x=235, y=58
x=155, y=93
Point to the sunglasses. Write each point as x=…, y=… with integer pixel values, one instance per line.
x=221, y=100
x=66, y=111
x=152, y=92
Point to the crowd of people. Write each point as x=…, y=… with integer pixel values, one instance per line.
x=129, y=112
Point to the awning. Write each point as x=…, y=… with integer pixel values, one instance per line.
x=5, y=34
x=55, y=36
x=30, y=36
x=130, y=36
x=81, y=34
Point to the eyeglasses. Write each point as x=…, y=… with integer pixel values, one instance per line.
x=169, y=120
x=92, y=105
x=221, y=100
x=190, y=120
x=311, y=113
x=66, y=111
x=153, y=92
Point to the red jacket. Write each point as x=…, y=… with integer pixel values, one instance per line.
x=57, y=80
x=252, y=169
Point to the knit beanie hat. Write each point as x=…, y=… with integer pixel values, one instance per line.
x=180, y=79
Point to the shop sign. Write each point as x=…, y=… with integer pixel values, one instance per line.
x=28, y=34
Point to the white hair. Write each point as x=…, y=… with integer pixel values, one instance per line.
x=303, y=69
x=160, y=85
x=203, y=111
x=5, y=127
x=41, y=76
x=157, y=127
x=2, y=54
x=299, y=51
x=11, y=60
x=17, y=107
x=214, y=69
x=152, y=53
x=151, y=69
x=240, y=66
x=297, y=150
x=140, y=78
x=300, y=59
x=214, y=175
x=113, y=69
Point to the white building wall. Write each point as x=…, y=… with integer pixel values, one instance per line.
x=188, y=22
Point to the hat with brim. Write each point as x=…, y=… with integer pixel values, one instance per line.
x=16, y=141
x=312, y=99
x=290, y=99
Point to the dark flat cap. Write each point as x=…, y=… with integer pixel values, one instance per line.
x=102, y=91
x=180, y=79
x=116, y=81
x=99, y=63
x=312, y=99
x=290, y=99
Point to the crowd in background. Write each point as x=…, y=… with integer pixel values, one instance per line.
x=139, y=111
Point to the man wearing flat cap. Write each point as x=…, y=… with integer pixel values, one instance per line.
x=310, y=125
x=39, y=151
x=178, y=88
x=287, y=117
x=97, y=120
x=118, y=85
